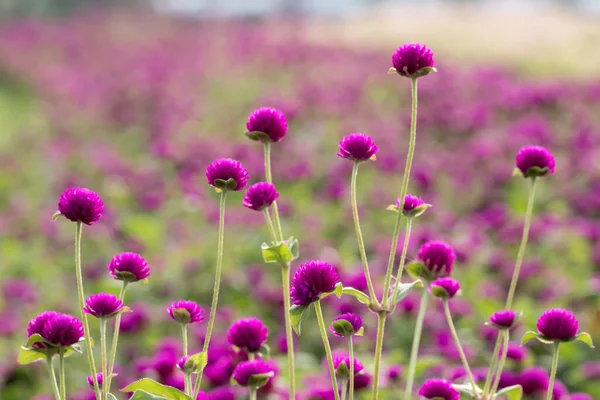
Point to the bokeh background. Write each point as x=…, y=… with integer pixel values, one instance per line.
x=135, y=99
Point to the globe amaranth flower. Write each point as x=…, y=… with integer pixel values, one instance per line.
x=260, y=196
x=357, y=147
x=345, y=325
x=248, y=334
x=268, y=121
x=504, y=319
x=185, y=312
x=534, y=380
x=99, y=377
x=103, y=305
x=81, y=205
x=534, y=161
x=515, y=352
x=413, y=60
x=558, y=324
x=438, y=388
x=412, y=206
x=227, y=174
x=63, y=330
x=36, y=326
x=444, y=288
x=311, y=280
x=129, y=267
x=438, y=258
x=255, y=373
x=341, y=364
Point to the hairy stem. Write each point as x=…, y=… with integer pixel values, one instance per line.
x=115, y=341
x=461, y=352
x=506, y=335
x=103, y=359
x=378, y=354
x=323, y=330
x=402, y=260
x=52, y=375
x=344, y=384
x=553, y=371
x=492, y=368
x=269, y=177
x=187, y=377
x=414, y=352
x=63, y=378
x=351, y=378
x=253, y=391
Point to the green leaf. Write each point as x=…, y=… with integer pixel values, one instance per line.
x=517, y=172
x=258, y=136
x=36, y=338
x=467, y=388
x=405, y=289
x=418, y=211
x=196, y=363
x=360, y=296
x=154, y=388
x=360, y=332
x=297, y=316
x=417, y=270
x=585, y=338
x=260, y=380
x=111, y=396
x=56, y=215
x=294, y=246
x=392, y=208
x=528, y=336
x=337, y=290
x=512, y=392
x=392, y=70
x=28, y=356
x=143, y=395
x=278, y=253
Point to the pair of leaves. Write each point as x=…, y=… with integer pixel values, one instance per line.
x=29, y=354
x=582, y=337
x=298, y=312
x=511, y=392
x=282, y=252
x=148, y=389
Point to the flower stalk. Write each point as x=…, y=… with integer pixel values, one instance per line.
x=327, y=347
x=414, y=352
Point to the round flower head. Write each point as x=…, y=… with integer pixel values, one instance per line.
x=357, y=147
x=99, y=377
x=227, y=174
x=311, y=280
x=81, y=205
x=248, y=334
x=341, y=364
x=129, y=267
x=185, y=312
x=413, y=206
x=534, y=380
x=438, y=258
x=103, y=305
x=413, y=60
x=558, y=324
x=36, y=326
x=438, y=388
x=505, y=319
x=345, y=325
x=253, y=373
x=260, y=196
x=535, y=161
x=444, y=288
x=63, y=330
x=267, y=124
x=515, y=352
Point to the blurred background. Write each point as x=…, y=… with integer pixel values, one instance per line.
x=134, y=99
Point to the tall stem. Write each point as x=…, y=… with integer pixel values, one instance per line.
x=344, y=384
x=461, y=352
x=184, y=339
x=522, y=247
x=253, y=391
x=378, y=353
x=402, y=260
x=359, y=236
x=52, y=375
x=492, y=368
x=84, y=318
x=351, y=378
x=217, y=284
x=270, y=225
x=104, y=359
x=63, y=379
x=323, y=330
x=553, y=371
x=414, y=352
x=269, y=177
x=115, y=341
x=506, y=335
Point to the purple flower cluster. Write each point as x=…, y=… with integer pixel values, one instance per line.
x=81, y=205
x=357, y=147
x=247, y=370
x=185, y=312
x=311, y=280
x=56, y=328
x=260, y=196
x=410, y=59
x=269, y=121
x=558, y=324
x=353, y=326
x=227, y=174
x=103, y=305
x=129, y=267
x=438, y=258
x=248, y=334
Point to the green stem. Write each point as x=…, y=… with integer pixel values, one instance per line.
x=378, y=353
x=344, y=384
x=506, y=335
x=270, y=225
x=492, y=368
x=351, y=382
x=115, y=341
x=84, y=318
x=323, y=330
x=553, y=371
x=285, y=278
x=63, y=384
x=52, y=374
x=522, y=247
x=217, y=283
x=184, y=339
x=104, y=360
x=359, y=236
x=402, y=259
x=270, y=180
x=461, y=352
x=253, y=391
x=415, y=345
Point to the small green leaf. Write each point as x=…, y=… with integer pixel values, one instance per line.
x=417, y=211
x=360, y=332
x=56, y=215
x=297, y=316
x=278, y=253
x=392, y=70
x=260, y=380
x=258, y=136
x=143, y=395
x=417, y=270
x=36, y=338
x=337, y=290
x=512, y=392
x=517, y=172
x=154, y=388
x=392, y=208
x=28, y=356
x=342, y=371
x=294, y=247
x=536, y=172
x=343, y=327
x=528, y=336
x=196, y=363
x=360, y=296
x=585, y=338
x=405, y=289
x=265, y=351
x=222, y=184
x=111, y=396
x=467, y=388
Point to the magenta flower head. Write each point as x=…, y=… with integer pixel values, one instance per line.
x=434, y=260
x=63, y=330
x=266, y=125
x=188, y=364
x=129, y=267
x=357, y=147
x=346, y=325
x=311, y=280
x=36, y=327
x=438, y=389
x=248, y=334
x=412, y=60
x=341, y=364
x=535, y=161
x=99, y=377
x=80, y=205
x=255, y=373
x=504, y=319
x=227, y=174
x=413, y=206
x=260, y=196
x=185, y=312
x=558, y=324
x=103, y=305
x=444, y=288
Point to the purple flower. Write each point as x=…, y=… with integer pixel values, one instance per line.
x=410, y=203
x=103, y=305
x=444, y=288
x=311, y=280
x=269, y=121
x=581, y=396
x=63, y=330
x=248, y=334
x=351, y=326
x=558, y=324
x=409, y=60
x=181, y=362
x=534, y=380
x=135, y=320
x=438, y=258
x=516, y=352
x=434, y=388
x=245, y=373
x=227, y=174
x=394, y=372
x=185, y=312
x=504, y=319
x=81, y=205
x=128, y=267
x=344, y=371
x=535, y=161
x=36, y=326
x=357, y=147
x=362, y=381
x=90, y=380
x=260, y=196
